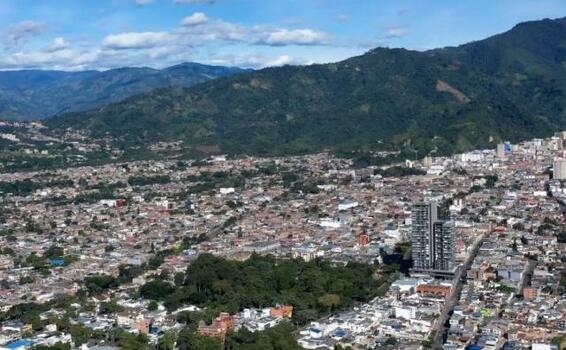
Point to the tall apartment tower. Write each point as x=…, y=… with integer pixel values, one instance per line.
x=559, y=172
x=443, y=246
x=500, y=150
x=432, y=240
x=423, y=216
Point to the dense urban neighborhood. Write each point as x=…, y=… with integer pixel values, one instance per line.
x=299, y=252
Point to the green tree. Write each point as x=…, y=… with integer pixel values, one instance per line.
x=168, y=341
x=81, y=335
x=188, y=340
x=153, y=306
x=157, y=289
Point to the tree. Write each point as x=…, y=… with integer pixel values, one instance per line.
x=153, y=306
x=33, y=227
x=329, y=301
x=56, y=346
x=156, y=289
x=128, y=341
x=187, y=340
x=179, y=278
x=97, y=284
x=81, y=335
x=167, y=342
x=279, y=337
x=110, y=307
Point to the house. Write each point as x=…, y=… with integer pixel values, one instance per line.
x=219, y=327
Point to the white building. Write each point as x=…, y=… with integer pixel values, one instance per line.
x=559, y=172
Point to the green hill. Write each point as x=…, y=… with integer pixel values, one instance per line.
x=508, y=86
x=36, y=94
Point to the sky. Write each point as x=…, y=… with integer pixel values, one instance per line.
x=104, y=34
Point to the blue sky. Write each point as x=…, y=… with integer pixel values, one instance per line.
x=103, y=34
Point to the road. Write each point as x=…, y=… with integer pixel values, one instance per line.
x=439, y=329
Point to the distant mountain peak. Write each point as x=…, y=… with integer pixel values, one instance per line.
x=36, y=94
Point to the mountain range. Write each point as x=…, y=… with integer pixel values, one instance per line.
x=509, y=86
x=37, y=94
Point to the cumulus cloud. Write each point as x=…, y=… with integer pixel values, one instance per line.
x=282, y=37
x=58, y=45
x=280, y=61
x=212, y=30
x=62, y=59
x=137, y=40
x=20, y=32
x=195, y=19
x=257, y=61
x=197, y=37
x=395, y=32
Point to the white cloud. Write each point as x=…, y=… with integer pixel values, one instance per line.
x=280, y=61
x=195, y=19
x=198, y=38
x=342, y=18
x=58, y=45
x=18, y=33
x=395, y=32
x=137, y=40
x=282, y=37
x=257, y=61
x=210, y=31
x=62, y=59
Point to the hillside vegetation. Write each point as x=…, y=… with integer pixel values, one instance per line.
x=510, y=86
x=36, y=94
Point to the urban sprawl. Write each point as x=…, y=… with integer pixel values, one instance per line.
x=469, y=249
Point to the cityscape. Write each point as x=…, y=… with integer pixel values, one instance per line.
x=469, y=247
x=282, y=175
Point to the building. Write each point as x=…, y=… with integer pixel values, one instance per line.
x=559, y=167
x=219, y=327
x=363, y=239
x=432, y=240
x=443, y=246
x=285, y=311
x=530, y=294
x=500, y=150
x=423, y=216
x=436, y=290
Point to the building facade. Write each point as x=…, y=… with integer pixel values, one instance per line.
x=432, y=240
x=423, y=216
x=559, y=167
x=443, y=246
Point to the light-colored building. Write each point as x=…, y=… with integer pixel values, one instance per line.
x=559, y=167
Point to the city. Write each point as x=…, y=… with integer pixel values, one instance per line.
x=282, y=175
x=485, y=229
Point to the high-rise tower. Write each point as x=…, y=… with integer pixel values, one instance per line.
x=422, y=218
x=432, y=240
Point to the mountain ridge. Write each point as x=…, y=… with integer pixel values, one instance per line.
x=37, y=94
x=506, y=86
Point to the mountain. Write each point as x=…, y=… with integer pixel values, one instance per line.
x=36, y=94
x=509, y=86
